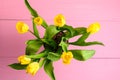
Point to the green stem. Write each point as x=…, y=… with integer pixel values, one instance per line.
x=34, y=13
x=44, y=24
x=37, y=55
x=31, y=31
x=33, y=34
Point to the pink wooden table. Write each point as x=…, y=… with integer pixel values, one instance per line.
x=105, y=65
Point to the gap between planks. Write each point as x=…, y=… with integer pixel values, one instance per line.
x=91, y=58
x=68, y=20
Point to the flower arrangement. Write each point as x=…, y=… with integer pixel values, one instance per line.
x=55, y=42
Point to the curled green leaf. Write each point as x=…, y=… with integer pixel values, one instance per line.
x=81, y=39
x=76, y=32
x=70, y=31
x=64, y=44
x=33, y=46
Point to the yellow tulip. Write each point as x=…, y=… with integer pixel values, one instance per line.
x=66, y=57
x=38, y=21
x=24, y=60
x=93, y=28
x=59, y=20
x=32, y=68
x=22, y=27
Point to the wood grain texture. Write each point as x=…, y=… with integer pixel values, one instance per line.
x=72, y=9
x=105, y=63
x=94, y=69
x=13, y=44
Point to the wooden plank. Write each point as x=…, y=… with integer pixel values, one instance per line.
x=93, y=69
x=103, y=66
x=73, y=9
x=13, y=44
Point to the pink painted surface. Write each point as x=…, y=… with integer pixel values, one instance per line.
x=15, y=43
x=94, y=69
x=104, y=65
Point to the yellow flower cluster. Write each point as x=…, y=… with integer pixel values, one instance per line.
x=32, y=67
x=55, y=42
x=66, y=57
x=59, y=21
x=23, y=27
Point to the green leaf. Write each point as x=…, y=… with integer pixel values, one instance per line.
x=80, y=30
x=77, y=31
x=81, y=39
x=18, y=66
x=49, y=44
x=48, y=67
x=69, y=29
x=53, y=56
x=82, y=55
x=44, y=24
x=34, y=13
x=59, y=50
x=33, y=46
x=41, y=62
x=36, y=33
x=50, y=32
x=37, y=56
x=90, y=43
x=64, y=44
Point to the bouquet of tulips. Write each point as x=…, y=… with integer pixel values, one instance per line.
x=55, y=42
